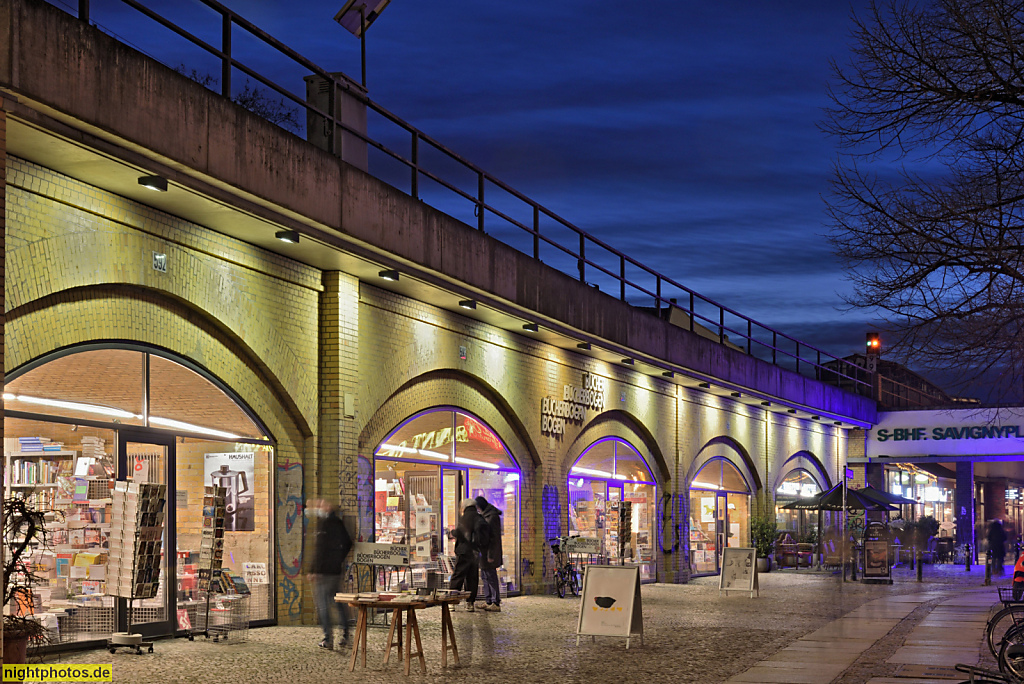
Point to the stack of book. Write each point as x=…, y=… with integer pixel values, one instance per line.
x=211, y=545
x=136, y=537
x=39, y=444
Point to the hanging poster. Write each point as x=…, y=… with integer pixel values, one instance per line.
x=707, y=509
x=611, y=603
x=739, y=571
x=234, y=471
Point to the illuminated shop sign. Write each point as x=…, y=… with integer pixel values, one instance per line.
x=573, y=406
x=954, y=432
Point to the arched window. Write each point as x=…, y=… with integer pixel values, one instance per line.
x=609, y=478
x=425, y=468
x=719, y=514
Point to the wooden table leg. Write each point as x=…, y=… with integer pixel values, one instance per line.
x=396, y=624
x=446, y=626
x=360, y=636
x=419, y=645
x=408, y=640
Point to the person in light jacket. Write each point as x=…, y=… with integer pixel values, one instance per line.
x=490, y=554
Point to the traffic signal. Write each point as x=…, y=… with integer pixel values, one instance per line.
x=874, y=343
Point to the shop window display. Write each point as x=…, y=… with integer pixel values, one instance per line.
x=798, y=484
x=719, y=514
x=607, y=475
x=422, y=472
x=58, y=455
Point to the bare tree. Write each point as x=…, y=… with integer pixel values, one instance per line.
x=927, y=197
x=257, y=100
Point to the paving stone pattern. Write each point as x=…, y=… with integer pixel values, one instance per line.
x=691, y=635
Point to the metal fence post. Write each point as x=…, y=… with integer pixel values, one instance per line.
x=480, y=199
x=582, y=260
x=415, y=189
x=225, y=63
x=622, y=278
x=536, y=232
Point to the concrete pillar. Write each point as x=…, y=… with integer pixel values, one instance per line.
x=338, y=468
x=963, y=503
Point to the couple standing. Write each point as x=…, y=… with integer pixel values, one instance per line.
x=478, y=552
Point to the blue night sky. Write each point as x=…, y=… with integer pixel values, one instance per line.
x=684, y=134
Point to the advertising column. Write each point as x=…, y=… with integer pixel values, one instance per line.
x=963, y=509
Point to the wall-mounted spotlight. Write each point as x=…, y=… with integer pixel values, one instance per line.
x=837, y=422
x=704, y=385
x=790, y=410
x=735, y=394
x=153, y=183
x=585, y=346
x=531, y=327
x=468, y=304
x=627, y=361
x=389, y=274
x=815, y=417
x=291, y=236
x=669, y=374
x=766, y=403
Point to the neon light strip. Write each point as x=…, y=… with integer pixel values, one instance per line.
x=589, y=471
x=478, y=464
x=411, y=450
x=189, y=427
x=704, y=485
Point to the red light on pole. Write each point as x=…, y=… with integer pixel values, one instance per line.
x=874, y=343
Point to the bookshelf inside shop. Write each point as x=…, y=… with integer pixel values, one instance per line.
x=72, y=484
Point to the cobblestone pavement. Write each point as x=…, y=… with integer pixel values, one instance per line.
x=691, y=635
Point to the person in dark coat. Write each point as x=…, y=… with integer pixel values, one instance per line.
x=331, y=545
x=467, y=558
x=490, y=554
x=997, y=545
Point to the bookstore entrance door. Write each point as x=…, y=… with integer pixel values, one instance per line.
x=146, y=459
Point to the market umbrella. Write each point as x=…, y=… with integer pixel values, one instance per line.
x=882, y=496
x=832, y=500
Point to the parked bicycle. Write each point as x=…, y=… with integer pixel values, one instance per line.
x=566, y=575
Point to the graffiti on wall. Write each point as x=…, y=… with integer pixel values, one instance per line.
x=364, y=496
x=551, y=505
x=290, y=532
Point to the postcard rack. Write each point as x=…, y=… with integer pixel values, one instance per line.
x=136, y=537
x=211, y=558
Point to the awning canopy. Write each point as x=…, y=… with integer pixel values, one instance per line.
x=832, y=500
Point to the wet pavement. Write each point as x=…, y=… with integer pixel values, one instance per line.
x=804, y=627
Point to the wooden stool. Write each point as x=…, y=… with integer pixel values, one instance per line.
x=446, y=630
x=412, y=629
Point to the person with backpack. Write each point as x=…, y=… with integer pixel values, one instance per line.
x=331, y=546
x=490, y=554
x=467, y=558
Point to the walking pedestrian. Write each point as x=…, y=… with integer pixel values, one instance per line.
x=490, y=555
x=332, y=544
x=467, y=558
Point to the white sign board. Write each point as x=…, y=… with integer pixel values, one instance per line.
x=255, y=573
x=611, y=604
x=739, y=571
x=951, y=432
x=369, y=553
x=583, y=545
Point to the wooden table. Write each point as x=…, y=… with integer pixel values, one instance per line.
x=412, y=630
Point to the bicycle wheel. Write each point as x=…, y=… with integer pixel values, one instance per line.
x=574, y=582
x=560, y=583
x=1011, y=653
x=1000, y=624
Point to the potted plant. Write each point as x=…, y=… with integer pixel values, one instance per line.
x=24, y=529
x=763, y=530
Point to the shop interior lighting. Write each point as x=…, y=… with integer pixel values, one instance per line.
x=289, y=236
x=531, y=327
x=704, y=485
x=417, y=452
x=590, y=471
x=389, y=274
x=189, y=427
x=619, y=476
x=475, y=464
x=72, y=406
x=468, y=304
x=585, y=346
x=153, y=183
x=897, y=490
x=920, y=478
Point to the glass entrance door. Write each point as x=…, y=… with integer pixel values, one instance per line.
x=145, y=460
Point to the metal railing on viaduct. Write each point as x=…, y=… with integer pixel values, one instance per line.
x=406, y=157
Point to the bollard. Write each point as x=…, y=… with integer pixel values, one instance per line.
x=919, y=567
x=988, y=569
x=967, y=557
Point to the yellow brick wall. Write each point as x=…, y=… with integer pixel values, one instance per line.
x=80, y=271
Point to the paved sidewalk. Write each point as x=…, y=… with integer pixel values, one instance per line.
x=804, y=627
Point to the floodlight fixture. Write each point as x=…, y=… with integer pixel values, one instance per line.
x=156, y=183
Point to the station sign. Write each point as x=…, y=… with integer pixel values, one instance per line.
x=951, y=432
